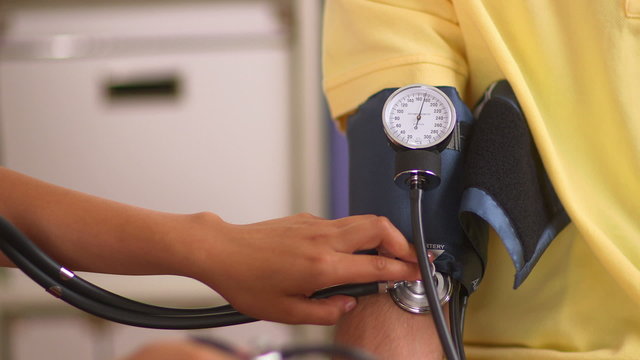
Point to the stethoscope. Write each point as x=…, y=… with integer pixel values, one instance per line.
x=72, y=289
x=418, y=120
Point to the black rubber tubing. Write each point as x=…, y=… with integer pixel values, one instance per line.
x=102, y=303
x=52, y=269
x=446, y=341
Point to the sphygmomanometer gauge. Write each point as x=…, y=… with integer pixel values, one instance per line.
x=418, y=117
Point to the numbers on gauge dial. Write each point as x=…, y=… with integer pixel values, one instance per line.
x=419, y=119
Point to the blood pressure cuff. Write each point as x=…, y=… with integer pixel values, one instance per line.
x=373, y=191
x=506, y=185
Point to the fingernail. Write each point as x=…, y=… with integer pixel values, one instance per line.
x=350, y=304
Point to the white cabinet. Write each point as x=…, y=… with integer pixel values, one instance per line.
x=213, y=101
x=215, y=134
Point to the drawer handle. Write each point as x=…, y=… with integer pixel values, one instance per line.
x=144, y=88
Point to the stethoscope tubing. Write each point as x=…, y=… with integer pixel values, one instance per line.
x=71, y=281
x=77, y=292
x=449, y=346
x=117, y=314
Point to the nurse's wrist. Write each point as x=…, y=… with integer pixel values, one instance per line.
x=192, y=242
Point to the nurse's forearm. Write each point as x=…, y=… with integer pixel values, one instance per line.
x=380, y=327
x=282, y=260
x=84, y=232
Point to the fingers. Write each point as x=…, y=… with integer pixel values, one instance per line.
x=368, y=268
x=318, y=311
x=374, y=232
x=353, y=219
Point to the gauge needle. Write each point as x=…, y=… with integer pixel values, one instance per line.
x=424, y=97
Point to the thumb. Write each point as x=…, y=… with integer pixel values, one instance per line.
x=320, y=311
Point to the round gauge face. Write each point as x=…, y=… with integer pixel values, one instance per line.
x=418, y=116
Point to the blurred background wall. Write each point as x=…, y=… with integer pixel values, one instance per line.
x=179, y=106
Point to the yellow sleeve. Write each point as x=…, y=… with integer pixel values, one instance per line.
x=372, y=45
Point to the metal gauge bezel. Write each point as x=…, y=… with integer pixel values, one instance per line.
x=407, y=90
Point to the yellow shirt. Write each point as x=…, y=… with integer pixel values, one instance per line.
x=575, y=67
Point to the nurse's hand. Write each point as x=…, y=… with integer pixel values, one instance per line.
x=267, y=270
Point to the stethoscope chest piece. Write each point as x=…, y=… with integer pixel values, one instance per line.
x=411, y=297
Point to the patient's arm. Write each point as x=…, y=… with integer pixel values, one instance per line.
x=380, y=327
x=178, y=349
